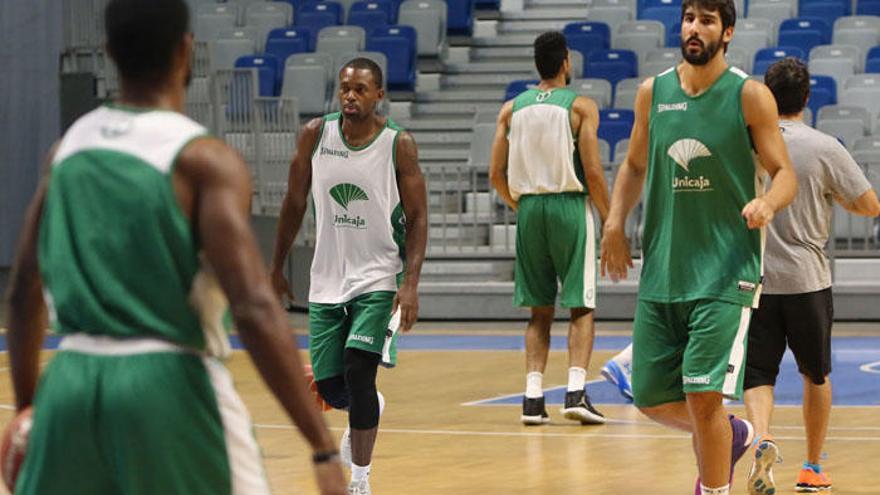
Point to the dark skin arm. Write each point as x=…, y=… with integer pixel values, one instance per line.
x=26, y=311
x=498, y=160
x=299, y=181
x=411, y=184
x=213, y=186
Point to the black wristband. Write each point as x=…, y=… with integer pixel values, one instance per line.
x=325, y=456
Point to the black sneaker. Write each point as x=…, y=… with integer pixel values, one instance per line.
x=534, y=412
x=578, y=408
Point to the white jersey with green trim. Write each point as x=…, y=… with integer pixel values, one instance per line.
x=358, y=215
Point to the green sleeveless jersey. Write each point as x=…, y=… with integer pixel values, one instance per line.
x=543, y=157
x=701, y=173
x=117, y=256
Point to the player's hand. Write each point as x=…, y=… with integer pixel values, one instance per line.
x=615, y=253
x=407, y=299
x=281, y=286
x=330, y=478
x=758, y=213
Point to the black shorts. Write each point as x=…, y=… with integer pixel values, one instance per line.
x=801, y=320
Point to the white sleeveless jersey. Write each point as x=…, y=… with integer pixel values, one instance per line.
x=543, y=156
x=358, y=215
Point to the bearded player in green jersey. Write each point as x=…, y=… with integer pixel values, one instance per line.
x=697, y=126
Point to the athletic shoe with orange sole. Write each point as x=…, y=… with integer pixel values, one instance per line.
x=810, y=481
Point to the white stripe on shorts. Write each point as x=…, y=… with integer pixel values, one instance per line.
x=105, y=345
x=589, y=296
x=737, y=353
x=245, y=463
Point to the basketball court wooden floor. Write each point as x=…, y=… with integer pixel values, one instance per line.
x=452, y=422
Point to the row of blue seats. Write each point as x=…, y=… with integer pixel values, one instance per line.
x=801, y=32
x=323, y=13
x=397, y=43
x=669, y=12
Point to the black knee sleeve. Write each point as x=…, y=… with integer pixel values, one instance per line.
x=360, y=378
x=334, y=392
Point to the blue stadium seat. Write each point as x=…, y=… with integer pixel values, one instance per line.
x=615, y=125
x=823, y=91
x=766, y=57
x=284, y=42
x=516, y=87
x=587, y=36
x=872, y=61
x=370, y=15
x=296, y=4
x=460, y=20
x=398, y=43
x=868, y=7
x=487, y=4
x=827, y=10
x=267, y=72
x=668, y=15
x=612, y=65
x=322, y=7
x=673, y=36
x=804, y=33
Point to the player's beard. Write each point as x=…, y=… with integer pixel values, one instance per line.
x=703, y=56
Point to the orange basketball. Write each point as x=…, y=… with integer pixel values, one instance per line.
x=313, y=388
x=14, y=446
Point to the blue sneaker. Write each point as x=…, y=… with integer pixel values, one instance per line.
x=619, y=375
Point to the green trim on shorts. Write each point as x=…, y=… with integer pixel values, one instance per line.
x=361, y=323
x=688, y=347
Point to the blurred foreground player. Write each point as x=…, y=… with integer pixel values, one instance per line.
x=136, y=401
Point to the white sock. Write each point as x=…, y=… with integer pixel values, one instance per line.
x=625, y=356
x=721, y=490
x=381, y=402
x=577, y=378
x=534, y=385
x=360, y=472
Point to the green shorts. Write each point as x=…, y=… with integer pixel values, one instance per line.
x=555, y=241
x=363, y=323
x=687, y=347
x=138, y=417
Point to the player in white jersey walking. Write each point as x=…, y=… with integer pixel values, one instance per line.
x=796, y=307
x=371, y=225
x=545, y=165
x=135, y=401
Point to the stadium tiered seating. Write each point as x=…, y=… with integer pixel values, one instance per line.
x=861, y=31
x=398, y=43
x=599, y=90
x=804, y=33
x=267, y=72
x=586, y=37
x=284, y=42
x=514, y=88
x=609, y=12
x=657, y=61
x=867, y=150
x=823, y=91
x=266, y=16
x=429, y=18
x=625, y=93
x=370, y=15
x=847, y=123
x=615, y=124
x=837, y=61
x=774, y=10
x=872, y=60
x=612, y=65
x=868, y=7
x=223, y=52
x=766, y=57
x=639, y=36
x=460, y=20
x=210, y=19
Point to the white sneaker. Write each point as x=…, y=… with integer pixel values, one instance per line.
x=345, y=441
x=360, y=487
x=619, y=374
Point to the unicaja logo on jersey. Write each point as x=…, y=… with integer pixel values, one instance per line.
x=683, y=152
x=344, y=194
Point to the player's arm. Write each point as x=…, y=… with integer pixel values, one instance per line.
x=865, y=205
x=498, y=161
x=293, y=208
x=588, y=148
x=760, y=112
x=26, y=311
x=221, y=188
x=411, y=184
x=627, y=188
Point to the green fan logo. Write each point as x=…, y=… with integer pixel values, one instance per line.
x=346, y=193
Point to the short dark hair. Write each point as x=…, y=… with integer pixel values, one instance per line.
x=725, y=8
x=551, y=50
x=143, y=34
x=363, y=63
x=789, y=81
